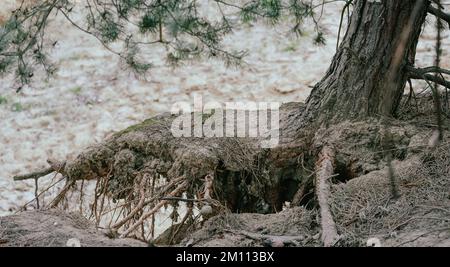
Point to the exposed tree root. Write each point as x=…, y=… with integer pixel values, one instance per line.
x=240, y=175
x=301, y=193
x=175, y=192
x=325, y=171
x=144, y=168
x=34, y=175
x=138, y=207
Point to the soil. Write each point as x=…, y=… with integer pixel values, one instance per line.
x=363, y=208
x=54, y=228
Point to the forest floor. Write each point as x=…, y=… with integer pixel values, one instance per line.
x=363, y=209
x=91, y=96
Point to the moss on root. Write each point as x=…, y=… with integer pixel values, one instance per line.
x=136, y=127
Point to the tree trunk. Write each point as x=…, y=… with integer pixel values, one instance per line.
x=367, y=75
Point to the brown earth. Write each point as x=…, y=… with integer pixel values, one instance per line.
x=53, y=228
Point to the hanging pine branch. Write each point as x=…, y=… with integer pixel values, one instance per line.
x=182, y=26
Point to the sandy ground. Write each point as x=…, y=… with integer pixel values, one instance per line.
x=54, y=228
x=92, y=96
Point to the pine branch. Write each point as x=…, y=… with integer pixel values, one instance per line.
x=433, y=69
x=439, y=14
x=422, y=74
x=34, y=175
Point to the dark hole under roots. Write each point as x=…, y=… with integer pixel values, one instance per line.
x=344, y=173
x=245, y=192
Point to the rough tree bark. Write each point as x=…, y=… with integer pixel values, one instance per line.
x=358, y=84
x=366, y=78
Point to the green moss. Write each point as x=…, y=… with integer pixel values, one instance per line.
x=136, y=127
x=76, y=90
x=17, y=107
x=3, y=100
x=290, y=48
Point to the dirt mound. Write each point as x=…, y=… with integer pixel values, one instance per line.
x=363, y=208
x=420, y=217
x=54, y=228
x=291, y=227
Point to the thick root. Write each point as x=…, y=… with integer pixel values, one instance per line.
x=325, y=171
